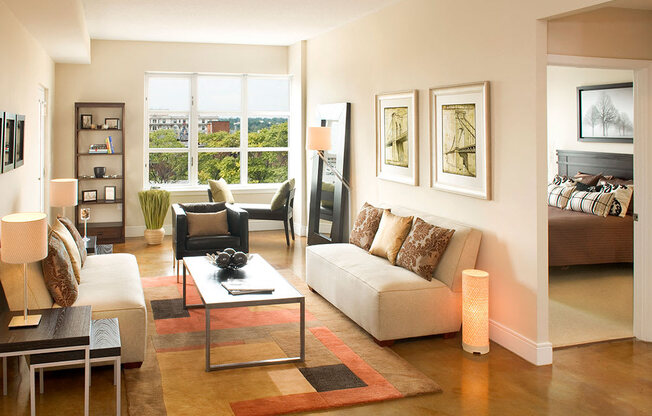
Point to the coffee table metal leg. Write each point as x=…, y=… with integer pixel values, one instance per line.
x=32, y=391
x=4, y=375
x=207, y=311
x=87, y=378
x=302, y=328
x=186, y=306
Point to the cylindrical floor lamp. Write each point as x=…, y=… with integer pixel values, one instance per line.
x=24, y=239
x=475, y=311
x=63, y=193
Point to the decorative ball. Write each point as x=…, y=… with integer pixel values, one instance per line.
x=239, y=259
x=229, y=251
x=223, y=260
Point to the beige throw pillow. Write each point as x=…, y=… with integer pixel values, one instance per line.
x=57, y=272
x=366, y=225
x=209, y=223
x=278, y=200
x=220, y=191
x=79, y=241
x=423, y=247
x=390, y=236
x=69, y=242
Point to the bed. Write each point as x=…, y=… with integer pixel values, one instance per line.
x=579, y=238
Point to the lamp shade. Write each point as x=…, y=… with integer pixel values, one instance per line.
x=23, y=237
x=63, y=192
x=319, y=138
x=475, y=311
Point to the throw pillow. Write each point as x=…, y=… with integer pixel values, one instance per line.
x=558, y=195
x=365, y=226
x=58, y=274
x=79, y=241
x=278, y=200
x=423, y=248
x=596, y=203
x=69, y=242
x=209, y=223
x=587, y=178
x=618, y=181
x=392, y=231
x=220, y=191
x=622, y=197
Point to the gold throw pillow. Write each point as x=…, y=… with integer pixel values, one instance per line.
x=390, y=236
x=79, y=241
x=69, y=242
x=423, y=247
x=57, y=272
x=220, y=191
x=209, y=223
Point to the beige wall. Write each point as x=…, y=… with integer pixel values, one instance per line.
x=297, y=168
x=117, y=72
x=25, y=66
x=605, y=33
x=562, y=110
x=417, y=44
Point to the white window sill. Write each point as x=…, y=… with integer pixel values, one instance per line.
x=268, y=188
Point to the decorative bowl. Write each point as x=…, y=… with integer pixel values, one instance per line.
x=228, y=259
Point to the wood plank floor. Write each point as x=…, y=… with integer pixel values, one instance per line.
x=613, y=378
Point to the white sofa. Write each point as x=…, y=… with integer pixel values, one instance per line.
x=390, y=302
x=109, y=283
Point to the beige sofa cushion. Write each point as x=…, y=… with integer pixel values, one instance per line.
x=75, y=258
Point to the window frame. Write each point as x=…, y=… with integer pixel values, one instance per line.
x=193, y=150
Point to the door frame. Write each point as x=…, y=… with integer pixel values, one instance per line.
x=642, y=69
x=43, y=131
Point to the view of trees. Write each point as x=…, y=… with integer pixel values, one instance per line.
x=605, y=114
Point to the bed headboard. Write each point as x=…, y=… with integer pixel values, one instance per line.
x=620, y=165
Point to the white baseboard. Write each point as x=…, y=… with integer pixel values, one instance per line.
x=254, y=225
x=536, y=353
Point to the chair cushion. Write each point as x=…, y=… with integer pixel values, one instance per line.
x=212, y=243
x=69, y=242
x=262, y=212
x=390, y=236
x=79, y=241
x=58, y=274
x=220, y=190
x=207, y=223
x=278, y=200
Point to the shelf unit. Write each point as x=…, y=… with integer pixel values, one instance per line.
x=105, y=223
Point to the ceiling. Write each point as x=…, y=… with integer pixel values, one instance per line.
x=279, y=22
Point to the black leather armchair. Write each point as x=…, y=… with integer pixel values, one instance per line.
x=184, y=246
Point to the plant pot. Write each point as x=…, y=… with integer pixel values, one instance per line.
x=154, y=237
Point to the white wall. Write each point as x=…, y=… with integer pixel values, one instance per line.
x=297, y=68
x=25, y=66
x=562, y=110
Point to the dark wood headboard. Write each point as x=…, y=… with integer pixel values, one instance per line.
x=620, y=165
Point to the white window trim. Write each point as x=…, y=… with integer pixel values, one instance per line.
x=193, y=186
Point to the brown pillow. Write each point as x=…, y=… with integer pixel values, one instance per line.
x=79, y=241
x=366, y=225
x=209, y=223
x=75, y=258
x=587, y=179
x=423, y=248
x=390, y=236
x=612, y=180
x=57, y=272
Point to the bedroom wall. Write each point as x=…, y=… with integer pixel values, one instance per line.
x=25, y=67
x=562, y=110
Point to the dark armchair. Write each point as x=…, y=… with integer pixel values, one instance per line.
x=184, y=246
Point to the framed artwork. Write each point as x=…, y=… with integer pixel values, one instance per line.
x=9, y=143
x=19, y=141
x=112, y=123
x=459, y=139
x=89, y=196
x=86, y=121
x=605, y=113
x=109, y=193
x=2, y=139
x=397, y=143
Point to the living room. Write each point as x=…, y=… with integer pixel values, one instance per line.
x=87, y=51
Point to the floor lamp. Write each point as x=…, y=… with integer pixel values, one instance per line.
x=319, y=139
x=63, y=193
x=24, y=239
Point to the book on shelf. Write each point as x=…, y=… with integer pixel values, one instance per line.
x=246, y=287
x=109, y=145
x=98, y=148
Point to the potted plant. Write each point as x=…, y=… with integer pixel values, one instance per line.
x=154, y=204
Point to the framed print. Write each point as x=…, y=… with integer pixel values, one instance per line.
x=2, y=139
x=20, y=141
x=9, y=143
x=459, y=139
x=89, y=196
x=109, y=193
x=397, y=143
x=112, y=123
x=86, y=121
x=605, y=113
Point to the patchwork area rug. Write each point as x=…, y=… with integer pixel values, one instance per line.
x=343, y=365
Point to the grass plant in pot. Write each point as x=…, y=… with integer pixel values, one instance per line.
x=155, y=204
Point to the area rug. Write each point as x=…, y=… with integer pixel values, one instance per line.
x=343, y=365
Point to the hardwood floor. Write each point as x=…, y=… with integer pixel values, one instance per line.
x=613, y=378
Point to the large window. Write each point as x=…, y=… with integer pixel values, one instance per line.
x=205, y=127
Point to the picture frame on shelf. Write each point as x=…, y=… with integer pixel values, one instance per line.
x=397, y=137
x=9, y=142
x=112, y=123
x=109, y=193
x=86, y=121
x=460, y=139
x=89, y=195
x=605, y=113
x=19, y=140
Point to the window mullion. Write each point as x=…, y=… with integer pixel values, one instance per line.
x=193, y=131
x=244, y=130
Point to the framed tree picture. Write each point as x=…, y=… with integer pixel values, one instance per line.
x=459, y=139
x=605, y=113
x=397, y=143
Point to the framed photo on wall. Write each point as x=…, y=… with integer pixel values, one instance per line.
x=605, y=113
x=89, y=196
x=9, y=142
x=20, y=141
x=459, y=139
x=397, y=144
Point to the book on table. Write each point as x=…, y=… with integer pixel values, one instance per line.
x=235, y=287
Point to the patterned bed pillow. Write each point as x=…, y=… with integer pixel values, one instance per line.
x=558, y=195
x=596, y=203
x=587, y=178
x=622, y=197
x=563, y=180
x=57, y=272
x=365, y=226
x=423, y=247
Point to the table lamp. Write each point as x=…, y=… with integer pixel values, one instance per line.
x=319, y=139
x=24, y=239
x=63, y=193
x=475, y=311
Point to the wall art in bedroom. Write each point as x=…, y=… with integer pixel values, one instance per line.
x=606, y=113
x=12, y=141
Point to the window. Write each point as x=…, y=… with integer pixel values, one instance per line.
x=236, y=128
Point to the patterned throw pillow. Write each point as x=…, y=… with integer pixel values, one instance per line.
x=558, y=195
x=57, y=272
x=366, y=225
x=423, y=248
x=622, y=197
x=596, y=203
x=563, y=180
x=69, y=242
x=81, y=245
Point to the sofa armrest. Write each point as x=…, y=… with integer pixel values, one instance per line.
x=238, y=220
x=179, y=230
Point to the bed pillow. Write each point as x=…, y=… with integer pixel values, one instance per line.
x=587, y=178
x=596, y=203
x=622, y=198
x=618, y=181
x=563, y=180
x=558, y=195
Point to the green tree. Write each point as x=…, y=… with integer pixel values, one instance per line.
x=167, y=167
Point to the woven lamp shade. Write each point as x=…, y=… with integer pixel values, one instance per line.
x=475, y=311
x=24, y=237
x=319, y=138
x=63, y=192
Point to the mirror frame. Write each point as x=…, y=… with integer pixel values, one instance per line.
x=341, y=113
